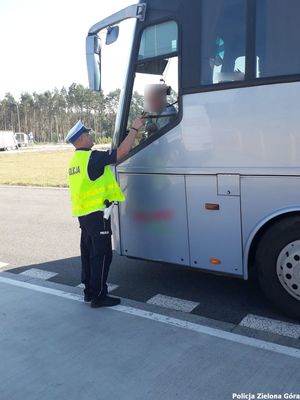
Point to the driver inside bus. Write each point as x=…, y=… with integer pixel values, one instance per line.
x=158, y=112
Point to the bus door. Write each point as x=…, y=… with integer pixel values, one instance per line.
x=214, y=221
x=153, y=220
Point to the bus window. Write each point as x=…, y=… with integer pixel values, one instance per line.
x=240, y=65
x=155, y=88
x=158, y=40
x=278, y=37
x=223, y=40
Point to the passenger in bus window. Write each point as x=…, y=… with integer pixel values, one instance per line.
x=158, y=112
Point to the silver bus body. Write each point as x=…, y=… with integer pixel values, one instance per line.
x=204, y=192
x=246, y=165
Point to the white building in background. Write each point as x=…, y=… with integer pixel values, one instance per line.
x=22, y=139
x=8, y=140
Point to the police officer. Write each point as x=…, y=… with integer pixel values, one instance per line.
x=93, y=188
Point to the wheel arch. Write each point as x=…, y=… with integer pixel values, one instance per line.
x=259, y=230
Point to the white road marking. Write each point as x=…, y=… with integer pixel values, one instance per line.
x=173, y=303
x=38, y=273
x=81, y=286
x=232, y=337
x=110, y=286
x=271, y=325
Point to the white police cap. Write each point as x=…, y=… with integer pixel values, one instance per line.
x=77, y=130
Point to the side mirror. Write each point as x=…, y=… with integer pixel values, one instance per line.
x=112, y=34
x=93, y=60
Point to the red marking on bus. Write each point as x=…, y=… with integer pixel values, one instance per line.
x=146, y=216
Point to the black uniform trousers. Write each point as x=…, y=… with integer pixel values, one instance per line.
x=96, y=253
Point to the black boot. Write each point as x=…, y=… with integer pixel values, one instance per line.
x=87, y=297
x=106, y=301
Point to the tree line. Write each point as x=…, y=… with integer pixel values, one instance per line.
x=50, y=115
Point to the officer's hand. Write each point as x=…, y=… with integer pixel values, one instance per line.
x=138, y=123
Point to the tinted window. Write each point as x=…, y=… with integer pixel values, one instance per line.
x=158, y=40
x=223, y=41
x=278, y=37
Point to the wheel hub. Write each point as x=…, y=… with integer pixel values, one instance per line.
x=288, y=268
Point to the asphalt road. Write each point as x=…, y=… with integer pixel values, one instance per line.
x=38, y=232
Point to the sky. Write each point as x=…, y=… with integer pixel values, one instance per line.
x=42, y=43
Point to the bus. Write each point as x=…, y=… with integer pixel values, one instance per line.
x=217, y=185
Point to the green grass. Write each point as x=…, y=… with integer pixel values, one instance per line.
x=35, y=169
x=103, y=140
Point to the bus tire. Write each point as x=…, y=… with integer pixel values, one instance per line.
x=278, y=265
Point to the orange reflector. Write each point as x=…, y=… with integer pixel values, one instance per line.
x=212, y=206
x=215, y=261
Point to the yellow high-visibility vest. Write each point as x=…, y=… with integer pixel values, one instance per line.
x=88, y=196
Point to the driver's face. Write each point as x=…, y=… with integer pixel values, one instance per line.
x=155, y=101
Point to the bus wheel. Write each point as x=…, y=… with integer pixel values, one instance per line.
x=278, y=262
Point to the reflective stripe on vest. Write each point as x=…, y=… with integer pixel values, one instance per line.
x=88, y=196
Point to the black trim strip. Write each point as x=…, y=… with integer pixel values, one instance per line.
x=168, y=55
x=243, y=84
x=250, y=67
